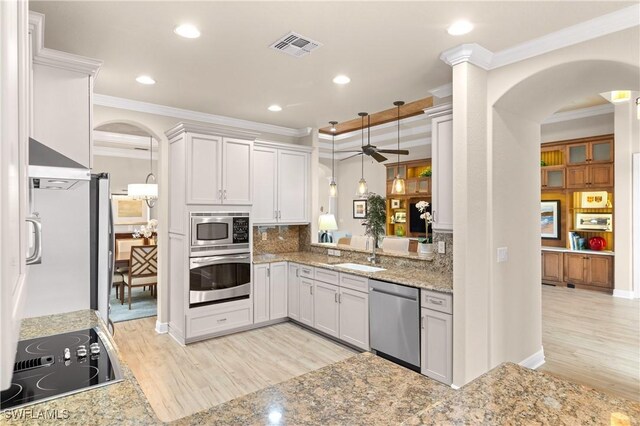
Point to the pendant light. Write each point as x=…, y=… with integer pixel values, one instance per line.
x=362, y=183
x=398, y=186
x=147, y=191
x=333, y=186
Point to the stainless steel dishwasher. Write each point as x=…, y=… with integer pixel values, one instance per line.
x=394, y=322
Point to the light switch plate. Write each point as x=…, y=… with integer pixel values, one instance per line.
x=441, y=248
x=503, y=254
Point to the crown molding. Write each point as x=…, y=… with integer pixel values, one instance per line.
x=55, y=58
x=185, y=114
x=209, y=129
x=580, y=113
x=600, y=26
x=443, y=91
x=468, y=52
x=288, y=146
x=438, y=110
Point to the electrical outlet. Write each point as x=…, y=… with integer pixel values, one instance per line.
x=264, y=236
x=503, y=254
x=441, y=248
x=330, y=252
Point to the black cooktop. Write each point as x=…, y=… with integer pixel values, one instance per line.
x=54, y=366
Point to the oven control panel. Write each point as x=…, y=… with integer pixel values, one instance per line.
x=240, y=230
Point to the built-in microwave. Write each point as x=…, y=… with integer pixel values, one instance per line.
x=219, y=232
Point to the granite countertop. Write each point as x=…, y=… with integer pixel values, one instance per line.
x=409, y=276
x=116, y=404
x=380, y=251
x=566, y=250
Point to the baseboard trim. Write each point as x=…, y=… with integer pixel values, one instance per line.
x=162, y=327
x=624, y=294
x=534, y=361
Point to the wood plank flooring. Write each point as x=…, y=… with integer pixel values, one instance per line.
x=592, y=339
x=179, y=381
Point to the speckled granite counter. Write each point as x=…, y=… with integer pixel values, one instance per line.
x=117, y=404
x=409, y=275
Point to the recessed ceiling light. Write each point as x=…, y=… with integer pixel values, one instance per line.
x=341, y=79
x=275, y=108
x=187, y=31
x=620, y=95
x=145, y=79
x=460, y=27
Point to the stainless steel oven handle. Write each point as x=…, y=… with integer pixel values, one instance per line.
x=204, y=261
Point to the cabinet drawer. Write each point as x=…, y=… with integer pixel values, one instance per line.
x=327, y=276
x=354, y=282
x=306, y=271
x=442, y=302
x=218, y=320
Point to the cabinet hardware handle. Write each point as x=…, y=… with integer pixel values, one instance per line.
x=268, y=272
x=434, y=216
x=297, y=273
x=220, y=194
x=339, y=298
x=435, y=301
x=311, y=290
x=335, y=297
x=275, y=214
x=225, y=194
x=279, y=214
x=422, y=322
x=222, y=320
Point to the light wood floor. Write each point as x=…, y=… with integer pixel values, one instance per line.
x=179, y=381
x=593, y=339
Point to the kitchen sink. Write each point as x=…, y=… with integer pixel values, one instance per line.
x=358, y=267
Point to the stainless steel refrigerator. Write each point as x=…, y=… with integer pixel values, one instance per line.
x=101, y=245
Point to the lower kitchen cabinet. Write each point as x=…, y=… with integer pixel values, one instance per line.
x=306, y=301
x=437, y=345
x=213, y=319
x=293, y=291
x=269, y=291
x=260, y=293
x=552, y=267
x=354, y=317
x=589, y=270
x=325, y=308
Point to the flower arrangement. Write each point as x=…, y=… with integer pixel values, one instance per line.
x=422, y=207
x=147, y=230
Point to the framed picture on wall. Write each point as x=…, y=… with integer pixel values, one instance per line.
x=395, y=204
x=359, y=209
x=594, y=221
x=550, y=219
x=127, y=211
x=400, y=217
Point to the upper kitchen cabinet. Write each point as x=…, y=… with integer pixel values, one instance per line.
x=442, y=167
x=62, y=94
x=592, y=150
x=218, y=164
x=281, y=184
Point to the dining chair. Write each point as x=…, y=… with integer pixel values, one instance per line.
x=118, y=284
x=143, y=269
x=123, y=245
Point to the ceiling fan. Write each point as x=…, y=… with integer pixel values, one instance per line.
x=372, y=150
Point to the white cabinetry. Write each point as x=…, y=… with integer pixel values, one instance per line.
x=306, y=301
x=62, y=98
x=354, y=317
x=293, y=292
x=269, y=291
x=281, y=184
x=442, y=163
x=326, y=308
x=437, y=336
x=14, y=134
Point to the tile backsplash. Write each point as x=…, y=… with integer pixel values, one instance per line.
x=280, y=239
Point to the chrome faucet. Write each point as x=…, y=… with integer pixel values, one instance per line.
x=373, y=258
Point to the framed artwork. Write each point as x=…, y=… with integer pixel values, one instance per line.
x=127, y=211
x=594, y=199
x=550, y=219
x=395, y=204
x=359, y=209
x=594, y=221
x=400, y=217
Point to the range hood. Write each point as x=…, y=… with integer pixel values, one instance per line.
x=48, y=169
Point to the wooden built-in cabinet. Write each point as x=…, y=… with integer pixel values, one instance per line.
x=597, y=149
x=590, y=176
x=552, y=177
x=589, y=270
x=416, y=188
x=552, y=267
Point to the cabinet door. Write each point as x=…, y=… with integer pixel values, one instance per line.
x=260, y=293
x=237, y=169
x=293, y=184
x=325, y=308
x=354, y=317
x=600, y=175
x=293, y=296
x=575, y=268
x=204, y=178
x=278, y=290
x=601, y=152
x=552, y=266
x=578, y=153
x=442, y=177
x=600, y=271
x=553, y=178
x=437, y=345
x=306, y=301
x=577, y=177
x=265, y=209
x=424, y=185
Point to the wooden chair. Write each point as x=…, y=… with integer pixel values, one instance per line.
x=143, y=269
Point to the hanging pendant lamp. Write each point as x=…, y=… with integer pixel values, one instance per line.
x=362, y=183
x=398, y=186
x=333, y=186
x=147, y=191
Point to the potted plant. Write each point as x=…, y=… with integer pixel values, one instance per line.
x=426, y=172
x=425, y=245
x=375, y=221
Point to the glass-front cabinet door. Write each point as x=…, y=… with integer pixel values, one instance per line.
x=577, y=153
x=601, y=152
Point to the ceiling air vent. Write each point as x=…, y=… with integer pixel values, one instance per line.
x=295, y=45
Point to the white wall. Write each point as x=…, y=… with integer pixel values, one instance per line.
x=61, y=282
x=579, y=128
